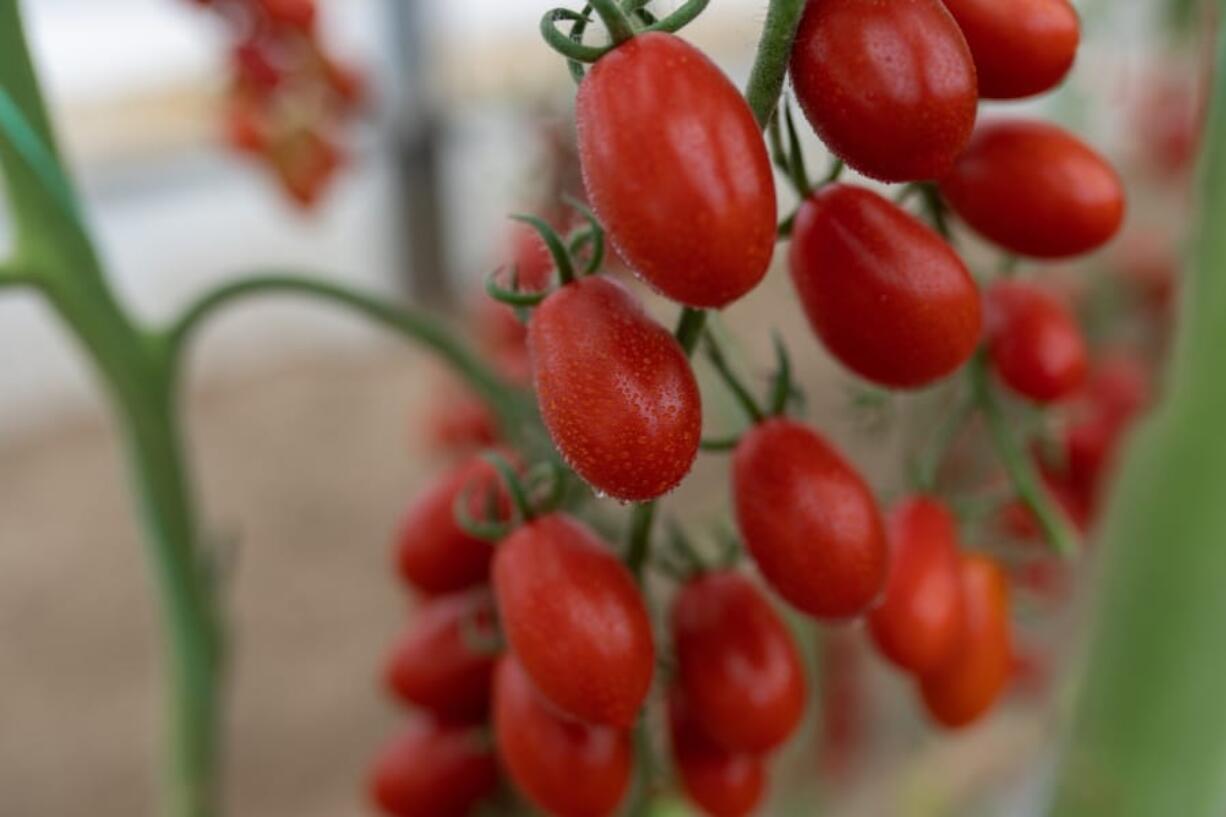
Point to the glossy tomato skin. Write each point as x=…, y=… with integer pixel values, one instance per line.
x=1034, y=342
x=720, y=782
x=676, y=169
x=1035, y=190
x=566, y=767
x=436, y=666
x=966, y=686
x=918, y=624
x=889, y=87
x=809, y=520
x=887, y=296
x=431, y=770
x=576, y=620
x=1021, y=47
x=737, y=663
x=433, y=553
x=615, y=390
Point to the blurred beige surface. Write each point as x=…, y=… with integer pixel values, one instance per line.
x=309, y=467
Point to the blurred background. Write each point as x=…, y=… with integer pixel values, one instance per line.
x=310, y=430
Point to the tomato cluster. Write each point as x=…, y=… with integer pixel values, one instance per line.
x=288, y=97
x=535, y=625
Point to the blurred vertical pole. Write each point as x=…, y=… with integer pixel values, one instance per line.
x=417, y=155
x=1149, y=735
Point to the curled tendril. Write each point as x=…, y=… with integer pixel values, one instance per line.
x=489, y=529
x=781, y=392
x=595, y=232
x=557, y=248
x=577, y=30
x=513, y=296
x=568, y=45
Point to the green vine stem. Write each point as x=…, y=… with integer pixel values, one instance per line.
x=771, y=62
x=1149, y=730
x=512, y=409
x=1051, y=520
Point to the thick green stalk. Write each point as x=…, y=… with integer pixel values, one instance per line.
x=1149, y=736
x=57, y=256
x=771, y=62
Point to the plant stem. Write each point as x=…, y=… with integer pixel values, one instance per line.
x=689, y=328
x=1149, y=732
x=771, y=62
x=512, y=410
x=1051, y=519
x=639, y=539
x=936, y=448
x=743, y=398
x=614, y=19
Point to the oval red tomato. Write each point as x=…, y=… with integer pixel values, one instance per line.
x=1021, y=47
x=436, y=666
x=809, y=520
x=966, y=686
x=918, y=625
x=615, y=390
x=676, y=169
x=567, y=768
x=1035, y=190
x=887, y=296
x=720, y=782
x=573, y=615
x=432, y=552
x=433, y=771
x=1034, y=342
x=888, y=86
x=737, y=663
